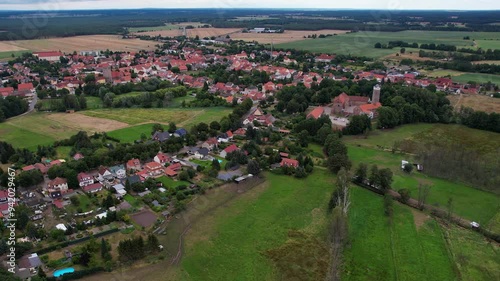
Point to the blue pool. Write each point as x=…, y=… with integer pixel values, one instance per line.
x=60, y=272
x=220, y=161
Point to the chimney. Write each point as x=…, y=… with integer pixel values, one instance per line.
x=376, y=94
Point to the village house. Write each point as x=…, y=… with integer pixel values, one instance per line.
x=154, y=169
x=105, y=174
x=160, y=136
x=201, y=153
x=210, y=144
x=30, y=262
x=96, y=187
x=316, y=113
x=133, y=164
x=228, y=150
x=357, y=105
x=52, y=56
x=57, y=187
x=285, y=162
x=118, y=171
x=85, y=179
x=162, y=158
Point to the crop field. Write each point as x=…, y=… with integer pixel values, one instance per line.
x=5, y=46
x=82, y=43
x=362, y=43
x=477, y=77
x=182, y=117
x=153, y=28
x=287, y=36
x=476, y=102
x=209, y=32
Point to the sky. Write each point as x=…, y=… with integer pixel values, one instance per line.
x=57, y=5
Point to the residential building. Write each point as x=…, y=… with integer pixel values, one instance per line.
x=228, y=150
x=85, y=179
x=285, y=162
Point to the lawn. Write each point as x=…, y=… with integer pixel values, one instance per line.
x=182, y=117
x=93, y=103
x=63, y=152
x=233, y=246
x=132, y=200
x=131, y=134
x=413, y=247
x=169, y=182
x=23, y=138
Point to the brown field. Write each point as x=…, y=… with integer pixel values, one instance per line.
x=487, y=61
x=277, y=38
x=476, y=102
x=79, y=121
x=82, y=43
x=6, y=47
x=162, y=33
x=209, y=32
x=413, y=56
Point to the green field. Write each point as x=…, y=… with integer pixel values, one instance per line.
x=486, y=207
x=489, y=44
x=6, y=56
x=361, y=43
x=169, y=182
x=398, y=251
x=63, y=152
x=477, y=77
x=232, y=246
x=182, y=117
x=131, y=134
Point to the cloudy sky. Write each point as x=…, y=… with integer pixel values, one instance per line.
x=319, y=4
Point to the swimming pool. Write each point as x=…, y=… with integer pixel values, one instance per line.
x=220, y=161
x=60, y=272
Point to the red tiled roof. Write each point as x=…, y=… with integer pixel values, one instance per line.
x=370, y=107
x=57, y=181
x=153, y=166
x=25, y=87
x=58, y=204
x=289, y=162
x=175, y=166
x=48, y=54
x=91, y=187
x=231, y=148
x=170, y=172
x=316, y=113
x=29, y=168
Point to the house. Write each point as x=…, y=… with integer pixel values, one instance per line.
x=96, y=187
x=229, y=135
x=210, y=144
x=160, y=136
x=85, y=179
x=57, y=187
x=4, y=196
x=30, y=262
x=26, y=89
x=133, y=164
x=180, y=132
x=240, y=132
x=78, y=156
x=7, y=91
x=324, y=58
x=132, y=179
x=105, y=174
x=52, y=56
x=316, y=113
x=201, y=153
x=228, y=150
x=162, y=158
x=118, y=171
x=120, y=190
x=154, y=169
x=285, y=162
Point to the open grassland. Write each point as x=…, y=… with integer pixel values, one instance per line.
x=413, y=247
x=477, y=77
x=182, y=117
x=83, y=43
x=209, y=32
x=233, y=243
x=476, y=258
x=476, y=102
x=6, y=56
x=133, y=133
x=489, y=44
x=287, y=36
x=486, y=205
x=362, y=43
x=167, y=26
x=428, y=134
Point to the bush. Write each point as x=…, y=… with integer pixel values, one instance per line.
x=405, y=195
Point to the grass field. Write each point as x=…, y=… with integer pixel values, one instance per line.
x=287, y=36
x=169, y=182
x=153, y=28
x=63, y=152
x=361, y=44
x=381, y=251
x=486, y=205
x=182, y=117
x=476, y=102
x=131, y=134
x=5, y=56
x=233, y=246
x=477, y=77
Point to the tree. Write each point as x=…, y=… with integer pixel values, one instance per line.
x=378, y=45
x=214, y=125
x=423, y=192
x=216, y=164
x=157, y=128
x=253, y=167
x=152, y=244
x=361, y=173
x=405, y=195
x=105, y=250
x=449, y=206
x=408, y=168
x=338, y=161
x=385, y=179
x=402, y=51
x=172, y=127
x=343, y=186
x=373, y=179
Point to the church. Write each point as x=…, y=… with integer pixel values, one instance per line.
x=345, y=105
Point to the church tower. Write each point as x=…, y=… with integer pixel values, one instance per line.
x=376, y=94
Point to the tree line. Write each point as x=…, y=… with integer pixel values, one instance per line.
x=12, y=106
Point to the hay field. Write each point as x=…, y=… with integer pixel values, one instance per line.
x=212, y=31
x=287, y=36
x=162, y=33
x=476, y=102
x=82, y=43
x=6, y=47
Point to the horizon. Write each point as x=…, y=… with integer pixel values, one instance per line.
x=388, y=5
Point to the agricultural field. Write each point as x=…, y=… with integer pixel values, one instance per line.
x=6, y=56
x=167, y=26
x=477, y=77
x=82, y=43
x=5, y=47
x=209, y=32
x=361, y=43
x=133, y=133
x=476, y=102
x=279, y=38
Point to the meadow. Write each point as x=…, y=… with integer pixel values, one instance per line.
x=133, y=133
x=413, y=246
x=477, y=102
x=361, y=43
x=486, y=206
x=477, y=77
x=167, y=26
